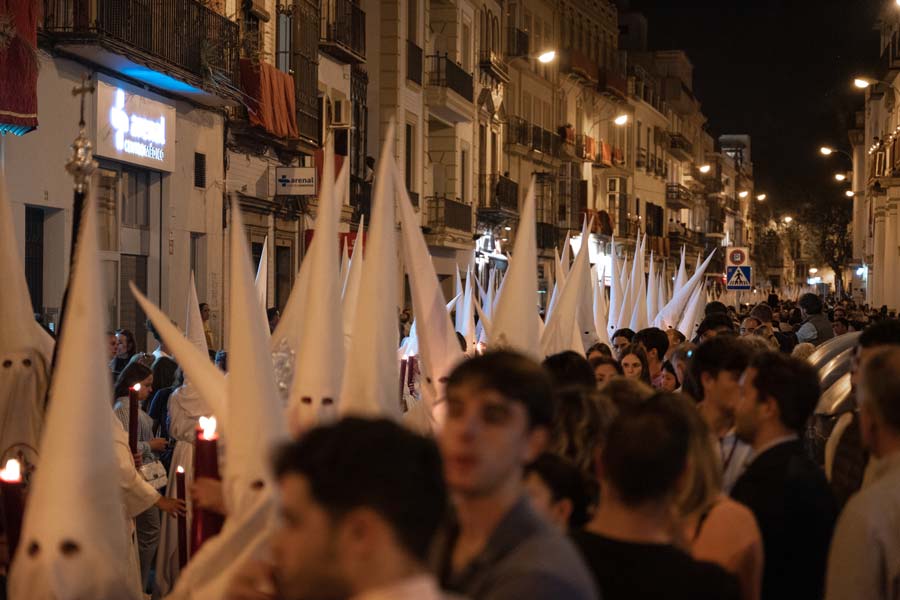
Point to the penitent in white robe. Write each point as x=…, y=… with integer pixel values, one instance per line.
x=185, y=409
x=137, y=495
x=23, y=391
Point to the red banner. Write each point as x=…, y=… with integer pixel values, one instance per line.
x=18, y=66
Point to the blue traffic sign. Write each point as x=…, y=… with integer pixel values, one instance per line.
x=737, y=278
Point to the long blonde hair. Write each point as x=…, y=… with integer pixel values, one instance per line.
x=704, y=469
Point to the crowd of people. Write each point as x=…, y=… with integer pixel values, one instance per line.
x=658, y=467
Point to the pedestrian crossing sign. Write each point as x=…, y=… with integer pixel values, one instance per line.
x=737, y=278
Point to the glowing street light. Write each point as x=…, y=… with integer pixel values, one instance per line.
x=849, y=193
x=788, y=219
x=547, y=57
x=705, y=168
x=761, y=197
x=861, y=83
x=813, y=270
x=621, y=120
x=743, y=194
x=840, y=176
x=826, y=151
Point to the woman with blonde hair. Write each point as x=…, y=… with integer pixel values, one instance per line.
x=714, y=527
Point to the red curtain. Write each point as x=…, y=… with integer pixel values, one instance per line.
x=274, y=106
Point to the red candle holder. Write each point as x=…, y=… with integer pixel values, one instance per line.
x=12, y=489
x=205, y=523
x=181, y=494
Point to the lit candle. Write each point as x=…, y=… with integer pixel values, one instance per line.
x=205, y=524
x=133, y=403
x=180, y=494
x=13, y=492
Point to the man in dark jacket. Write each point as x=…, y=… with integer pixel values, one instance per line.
x=816, y=328
x=786, y=491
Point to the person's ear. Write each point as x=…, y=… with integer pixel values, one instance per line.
x=706, y=380
x=562, y=511
x=538, y=438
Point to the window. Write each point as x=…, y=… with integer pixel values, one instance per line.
x=199, y=170
x=251, y=36
x=108, y=211
x=135, y=199
x=409, y=158
x=412, y=15
x=34, y=256
x=283, y=40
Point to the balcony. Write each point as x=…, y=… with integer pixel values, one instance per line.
x=179, y=46
x=517, y=43
x=449, y=93
x=604, y=158
x=680, y=147
x=413, y=63
x=733, y=205
x=342, y=34
x=518, y=132
x=679, y=236
x=578, y=63
x=585, y=147
x=678, y=196
x=498, y=199
x=612, y=82
x=444, y=213
x=493, y=64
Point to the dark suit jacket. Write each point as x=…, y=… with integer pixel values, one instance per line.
x=795, y=510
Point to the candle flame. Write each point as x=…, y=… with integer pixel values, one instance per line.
x=208, y=425
x=12, y=472
x=136, y=387
x=180, y=469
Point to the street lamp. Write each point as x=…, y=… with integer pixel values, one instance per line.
x=761, y=197
x=621, y=119
x=743, y=194
x=705, y=168
x=849, y=193
x=828, y=151
x=863, y=82
x=788, y=219
x=840, y=176
x=547, y=57
x=813, y=270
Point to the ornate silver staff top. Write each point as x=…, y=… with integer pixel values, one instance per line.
x=82, y=164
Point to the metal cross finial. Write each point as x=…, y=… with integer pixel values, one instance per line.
x=82, y=164
x=83, y=90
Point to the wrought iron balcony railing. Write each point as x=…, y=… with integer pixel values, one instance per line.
x=443, y=72
x=343, y=30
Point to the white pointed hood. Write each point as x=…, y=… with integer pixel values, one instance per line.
x=18, y=329
x=319, y=364
x=652, y=292
x=262, y=276
x=615, y=291
x=681, y=276
x=438, y=346
x=585, y=314
x=558, y=282
x=513, y=322
x=345, y=264
x=255, y=419
x=694, y=312
x=662, y=290
x=459, y=320
x=566, y=255
x=371, y=387
x=193, y=360
x=469, y=330
x=558, y=335
x=627, y=306
x=673, y=312
x=351, y=288
x=639, y=290
x=600, y=309
x=75, y=504
x=193, y=321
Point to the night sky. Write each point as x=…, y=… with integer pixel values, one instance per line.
x=780, y=70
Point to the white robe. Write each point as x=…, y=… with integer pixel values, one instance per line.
x=23, y=390
x=137, y=494
x=185, y=409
